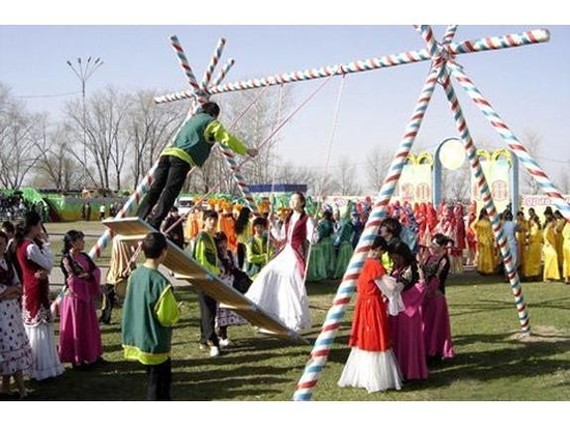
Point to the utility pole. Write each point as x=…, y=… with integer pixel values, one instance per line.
x=83, y=70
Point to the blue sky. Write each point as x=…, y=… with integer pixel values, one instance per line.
x=528, y=86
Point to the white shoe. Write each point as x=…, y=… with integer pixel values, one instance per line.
x=225, y=342
x=214, y=351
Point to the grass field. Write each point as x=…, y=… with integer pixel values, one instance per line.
x=494, y=361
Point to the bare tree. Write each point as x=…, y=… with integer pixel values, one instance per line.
x=107, y=142
x=19, y=133
x=345, y=178
x=532, y=142
x=150, y=127
x=57, y=167
x=255, y=116
x=456, y=183
x=377, y=166
x=564, y=178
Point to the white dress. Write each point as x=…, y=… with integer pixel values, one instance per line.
x=279, y=288
x=39, y=328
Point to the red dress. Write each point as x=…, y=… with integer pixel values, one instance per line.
x=371, y=363
x=370, y=329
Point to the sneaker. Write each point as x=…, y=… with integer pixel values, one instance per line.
x=225, y=342
x=214, y=351
x=203, y=347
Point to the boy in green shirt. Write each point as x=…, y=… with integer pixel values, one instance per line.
x=205, y=252
x=149, y=312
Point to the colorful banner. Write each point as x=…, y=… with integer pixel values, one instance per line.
x=414, y=185
x=498, y=178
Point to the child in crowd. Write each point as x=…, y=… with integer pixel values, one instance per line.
x=205, y=252
x=149, y=312
x=257, y=248
x=79, y=336
x=231, y=276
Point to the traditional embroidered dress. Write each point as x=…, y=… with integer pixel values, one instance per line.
x=280, y=288
x=566, y=252
x=485, y=246
x=551, y=269
x=533, y=264
x=343, y=247
x=371, y=363
x=36, y=310
x=321, y=262
x=407, y=328
x=80, y=336
x=436, y=324
x=15, y=351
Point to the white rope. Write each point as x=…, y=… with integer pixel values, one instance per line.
x=325, y=172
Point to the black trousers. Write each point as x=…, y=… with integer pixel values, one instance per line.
x=208, y=308
x=169, y=179
x=159, y=378
x=241, y=250
x=108, y=303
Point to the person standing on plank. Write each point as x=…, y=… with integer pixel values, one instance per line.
x=191, y=148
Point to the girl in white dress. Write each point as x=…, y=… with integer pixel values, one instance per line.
x=279, y=288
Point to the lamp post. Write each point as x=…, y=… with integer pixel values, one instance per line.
x=83, y=70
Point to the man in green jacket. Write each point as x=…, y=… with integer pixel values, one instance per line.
x=191, y=148
x=149, y=312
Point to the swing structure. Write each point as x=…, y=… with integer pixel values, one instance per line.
x=442, y=56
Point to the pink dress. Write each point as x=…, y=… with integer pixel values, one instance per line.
x=80, y=336
x=406, y=331
x=437, y=327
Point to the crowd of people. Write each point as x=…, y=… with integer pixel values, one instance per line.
x=400, y=323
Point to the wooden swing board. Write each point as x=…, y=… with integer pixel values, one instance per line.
x=185, y=267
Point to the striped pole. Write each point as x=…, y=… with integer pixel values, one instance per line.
x=508, y=41
x=479, y=45
x=127, y=208
x=319, y=354
x=212, y=65
x=225, y=69
x=449, y=35
x=511, y=140
x=189, y=94
x=229, y=156
x=463, y=130
x=500, y=237
x=501, y=42
x=183, y=61
x=427, y=34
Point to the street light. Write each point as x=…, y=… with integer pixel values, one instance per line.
x=83, y=70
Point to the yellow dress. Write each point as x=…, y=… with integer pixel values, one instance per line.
x=532, y=266
x=566, y=251
x=522, y=235
x=486, y=260
x=551, y=271
x=558, y=228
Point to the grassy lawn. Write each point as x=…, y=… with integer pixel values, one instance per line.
x=493, y=362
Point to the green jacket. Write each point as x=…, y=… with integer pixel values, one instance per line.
x=149, y=312
x=205, y=252
x=256, y=255
x=196, y=138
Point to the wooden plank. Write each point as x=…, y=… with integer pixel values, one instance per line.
x=186, y=267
